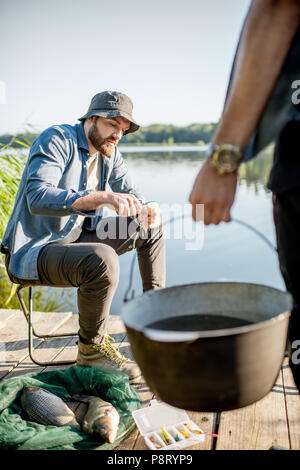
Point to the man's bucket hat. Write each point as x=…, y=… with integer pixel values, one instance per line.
x=109, y=104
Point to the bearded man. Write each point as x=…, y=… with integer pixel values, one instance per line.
x=52, y=237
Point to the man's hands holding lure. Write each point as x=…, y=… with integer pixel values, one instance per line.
x=127, y=205
x=124, y=204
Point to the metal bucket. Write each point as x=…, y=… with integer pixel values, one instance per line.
x=214, y=370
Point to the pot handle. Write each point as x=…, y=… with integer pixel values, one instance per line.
x=238, y=221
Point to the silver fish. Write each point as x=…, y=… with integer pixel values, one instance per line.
x=101, y=418
x=47, y=408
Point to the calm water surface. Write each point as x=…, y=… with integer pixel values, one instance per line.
x=230, y=252
x=200, y=322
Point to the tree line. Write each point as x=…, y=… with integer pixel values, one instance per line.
x=170, y=134
x=165, y=134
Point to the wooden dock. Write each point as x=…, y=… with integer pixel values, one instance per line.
x=272, y=421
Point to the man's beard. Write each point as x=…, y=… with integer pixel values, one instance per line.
x=100, y=144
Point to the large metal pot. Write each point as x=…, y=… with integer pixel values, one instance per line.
x=215, y=370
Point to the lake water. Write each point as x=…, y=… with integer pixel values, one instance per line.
x=230, y=252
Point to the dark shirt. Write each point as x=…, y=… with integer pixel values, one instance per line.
x=279, y=123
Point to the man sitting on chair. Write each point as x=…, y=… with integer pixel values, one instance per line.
x=52, y=239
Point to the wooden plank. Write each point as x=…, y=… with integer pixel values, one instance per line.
x=60, y=349
x=5, y=314
x=205, y=421
x=292, y=398
x=46, y=350
x=48, y=322
x=67, y=353
x=16, y=325
x=258, y=426
x=14, y=336
x=115, y=325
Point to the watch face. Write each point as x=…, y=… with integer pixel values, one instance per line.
x=227, y=160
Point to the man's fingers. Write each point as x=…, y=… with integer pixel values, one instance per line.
x=217, y=212
x=138, y=205
x=134, y=204
x=153, y=220
x=208, y=214
x=123, y=207
x=131, y=207
x=226, y=217
x=127, y=204
x=212, y=213
x=194, y=212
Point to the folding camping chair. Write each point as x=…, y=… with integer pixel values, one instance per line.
x=31, y=331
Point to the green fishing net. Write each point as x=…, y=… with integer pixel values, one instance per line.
x=19, y=433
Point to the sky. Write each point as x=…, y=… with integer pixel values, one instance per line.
x=172, y=57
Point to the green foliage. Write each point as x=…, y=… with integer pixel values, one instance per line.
x=11, y=167
x=168, y=134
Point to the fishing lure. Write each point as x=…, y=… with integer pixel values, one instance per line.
x=158, y=446
x=184, y=433
x=165, y=435
x=197, y=431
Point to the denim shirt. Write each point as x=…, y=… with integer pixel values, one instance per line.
x=55, y=175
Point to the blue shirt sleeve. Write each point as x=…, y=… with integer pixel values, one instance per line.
x=47, y=160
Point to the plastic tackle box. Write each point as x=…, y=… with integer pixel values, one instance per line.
x=175, y=422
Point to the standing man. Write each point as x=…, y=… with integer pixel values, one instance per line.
x=52, y=237
x=260, y=107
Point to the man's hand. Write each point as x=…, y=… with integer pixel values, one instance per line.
x=216, y=192
x=150, y=216
x=124, y=204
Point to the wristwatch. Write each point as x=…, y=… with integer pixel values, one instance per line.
x=226, y=158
